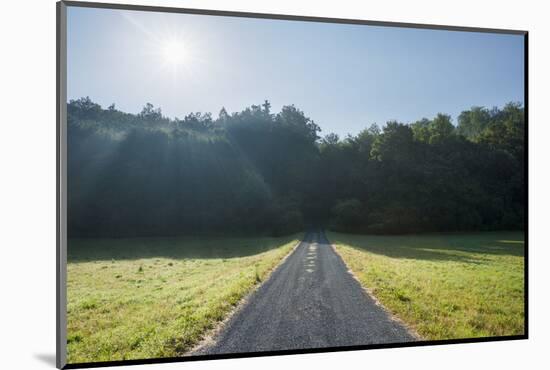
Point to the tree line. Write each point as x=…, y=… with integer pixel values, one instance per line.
x=259, y=172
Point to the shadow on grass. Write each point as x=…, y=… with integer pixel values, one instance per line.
x=90, y=249
x=472, y=248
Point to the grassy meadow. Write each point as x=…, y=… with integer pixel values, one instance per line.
x=445, y=286
x=157, y=297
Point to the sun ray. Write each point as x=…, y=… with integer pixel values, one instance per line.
x=171, y=49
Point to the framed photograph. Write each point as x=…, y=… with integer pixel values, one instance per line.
x=235, y=184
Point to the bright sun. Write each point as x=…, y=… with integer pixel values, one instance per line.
x=174, y=52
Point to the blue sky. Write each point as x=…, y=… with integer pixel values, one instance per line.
x=345, y=77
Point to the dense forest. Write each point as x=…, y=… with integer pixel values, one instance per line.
x=259, y=172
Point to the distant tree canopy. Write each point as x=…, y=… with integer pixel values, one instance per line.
x=264, y=173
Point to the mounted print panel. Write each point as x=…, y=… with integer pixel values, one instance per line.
x=235, y=184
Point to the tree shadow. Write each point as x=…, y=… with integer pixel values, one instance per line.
x=189, y=247
x=456, y=247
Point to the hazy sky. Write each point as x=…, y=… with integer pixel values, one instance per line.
x=344, y=77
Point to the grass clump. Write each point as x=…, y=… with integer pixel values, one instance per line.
x=446, y=286
x=182, y=288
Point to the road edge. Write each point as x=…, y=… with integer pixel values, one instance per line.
x=410, y=328
x=210, y=337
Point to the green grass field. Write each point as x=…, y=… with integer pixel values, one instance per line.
x=157, y=297
x=443, y=285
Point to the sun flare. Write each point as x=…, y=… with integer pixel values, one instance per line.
x=174, y=52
